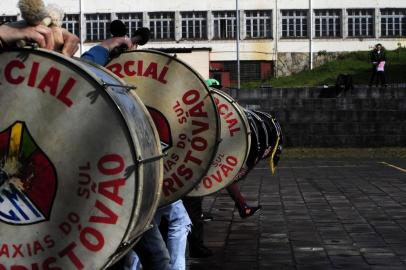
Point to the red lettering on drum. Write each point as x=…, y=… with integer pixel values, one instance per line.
x=127, y=69
x=50, y=82
x=136, y=68
x=189, y=109
x=111, y=189
x=46, y=265
x=224, y=168
x=9, y=69
x=116, y=69
x=106, y=164
x=109, y=217
x=152, y=71
x=92, y=239
x=228, y=116
x=24, y=250
x=174, y=182
x=33, y=74
x=69, y=252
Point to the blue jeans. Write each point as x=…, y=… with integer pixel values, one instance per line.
x=151, y=251
x=150, y=247
x=179, y=226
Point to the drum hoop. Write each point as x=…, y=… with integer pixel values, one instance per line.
x=217, y=118
x=97, y=83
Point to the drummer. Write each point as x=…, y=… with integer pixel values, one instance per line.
x=51, y=38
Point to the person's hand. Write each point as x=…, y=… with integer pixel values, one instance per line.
x=112, y=43
x=13, y=32
x=65, y=42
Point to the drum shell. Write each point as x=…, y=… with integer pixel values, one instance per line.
x=233, y=148
x=144, y=133
x=252, y=157
x=64, y=135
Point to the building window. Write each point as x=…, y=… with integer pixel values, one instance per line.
x=225, y=24
x=360, y=23
x=132, y=21
x=327, y=23
x=393, y=22
x=294, y=23
x=258, y=23
x=6, y=19
x=97, y=26
x=194, y=25
x=71, y=23
x=162, y=25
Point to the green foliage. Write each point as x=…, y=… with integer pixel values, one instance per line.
x=354, y=63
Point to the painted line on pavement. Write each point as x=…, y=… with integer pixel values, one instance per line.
x=393, y=166
x=319, y=166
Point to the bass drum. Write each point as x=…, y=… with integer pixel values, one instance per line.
x=271, y=132
x=275, y=138
x=262, y=134
x=233, y=148
x=183, y=110
x=80, y=166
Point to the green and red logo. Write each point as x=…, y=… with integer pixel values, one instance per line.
x=28, y=179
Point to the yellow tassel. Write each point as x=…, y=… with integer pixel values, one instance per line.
x=271, y=163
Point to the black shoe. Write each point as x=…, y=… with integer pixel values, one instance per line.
x=200, y=252
x=248, y=211
x=206, y=217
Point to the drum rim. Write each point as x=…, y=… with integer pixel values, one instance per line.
x=217, y=118
x=98, y=84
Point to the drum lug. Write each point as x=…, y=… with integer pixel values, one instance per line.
x=151, y=159
x=126, y=87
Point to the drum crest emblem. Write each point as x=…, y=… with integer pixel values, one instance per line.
x=28, y=179
x=164, y=129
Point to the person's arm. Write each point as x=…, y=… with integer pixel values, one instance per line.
x=372, y=57
x=100, y=53
x=11, y=33
x=54, y=38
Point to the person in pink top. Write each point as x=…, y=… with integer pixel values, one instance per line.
x=378, y=61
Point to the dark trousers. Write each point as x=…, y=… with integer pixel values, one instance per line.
x=380, y=77
x=193, y=207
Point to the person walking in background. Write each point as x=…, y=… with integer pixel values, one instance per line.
x=378, y=60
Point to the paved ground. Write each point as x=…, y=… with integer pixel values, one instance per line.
x=323, y=214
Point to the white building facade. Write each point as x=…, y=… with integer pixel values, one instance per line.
x=270, y=31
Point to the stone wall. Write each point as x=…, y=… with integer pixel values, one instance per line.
x=293, y=62
x=361, y=117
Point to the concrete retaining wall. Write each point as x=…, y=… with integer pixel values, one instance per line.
x=361, y=117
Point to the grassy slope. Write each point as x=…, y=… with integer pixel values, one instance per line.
x=355, y=63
